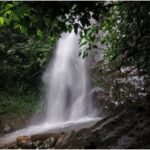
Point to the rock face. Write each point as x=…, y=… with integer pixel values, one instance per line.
x=127, y=129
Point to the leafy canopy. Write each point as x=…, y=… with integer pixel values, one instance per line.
x=49, y=17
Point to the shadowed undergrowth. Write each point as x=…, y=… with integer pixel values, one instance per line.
x=18, y=103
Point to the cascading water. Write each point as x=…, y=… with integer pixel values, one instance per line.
x=67, y=91
x=67, y=84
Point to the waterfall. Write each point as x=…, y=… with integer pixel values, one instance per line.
x=67, y=92
x=66, y=82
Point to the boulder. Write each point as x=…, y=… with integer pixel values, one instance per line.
x=27, y=145
x=37, y=143
x=49, y=143
x=21, y=140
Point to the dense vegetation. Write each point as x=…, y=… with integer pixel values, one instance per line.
x=29, y=31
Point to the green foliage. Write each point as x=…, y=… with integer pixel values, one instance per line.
x=49, y=17
x=124, y=27
x=127, y=34
x=1, y=21
x=18, y=103
x=23, y=58
x=42, y=19
x=29, y=31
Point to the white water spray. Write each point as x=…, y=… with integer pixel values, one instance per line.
x=67, y=84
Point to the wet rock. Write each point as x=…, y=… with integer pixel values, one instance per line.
x=60, y=140
x=75, y=139
x=27, y=145
x=45, y=144
x=40, y=147
x=21, y=140
x=44, y=136
x=11, y=145
x=141, y=109
x=49, y=143
x=37, y=143
x=127, y=129
x=90, y=144
x=64, y=139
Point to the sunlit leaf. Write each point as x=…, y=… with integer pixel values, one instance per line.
x=39, y=33
x=1, y=21
x=74, y=6
x=8, y=6
x=23, y=29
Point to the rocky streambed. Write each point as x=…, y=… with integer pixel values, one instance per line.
x=130, y=128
